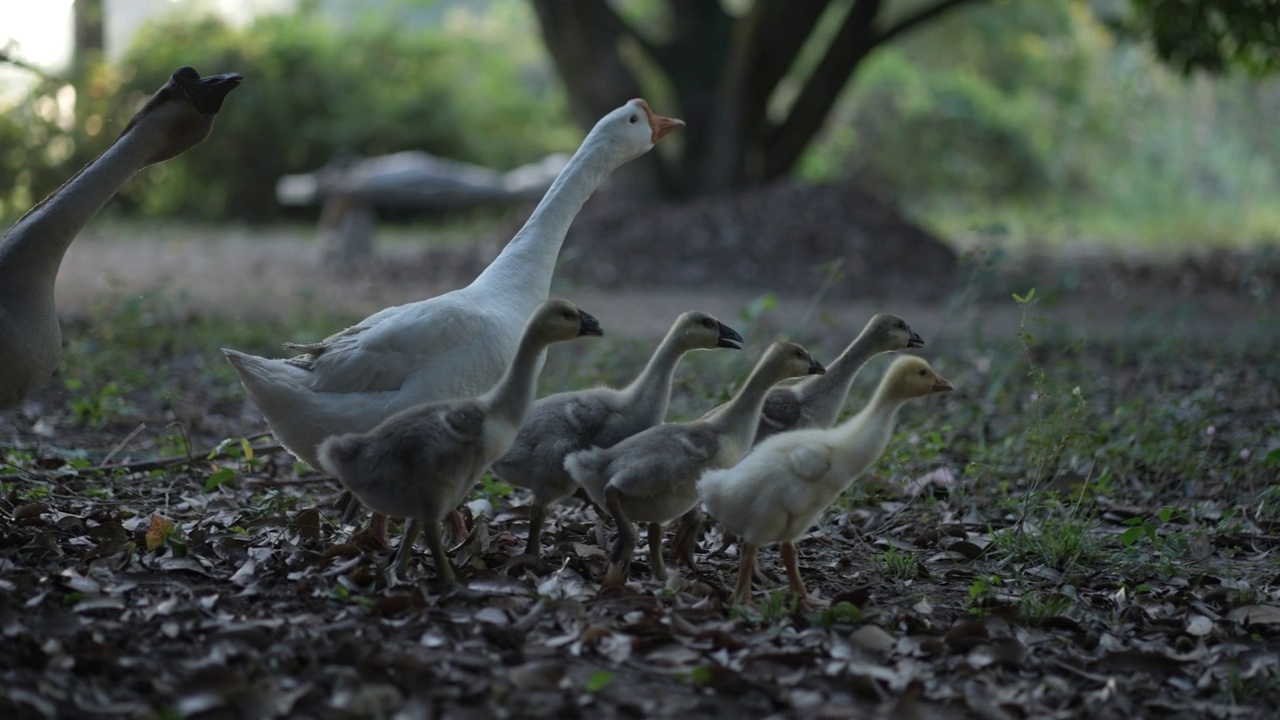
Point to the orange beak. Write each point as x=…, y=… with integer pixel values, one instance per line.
x=941, y=384
x=661, y=126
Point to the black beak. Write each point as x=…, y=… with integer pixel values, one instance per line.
x=729, y=338
x=915, y=341
x=815, y=367
x=207, y=93
x=588, y=325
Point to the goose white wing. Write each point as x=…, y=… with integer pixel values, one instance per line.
x=460, y=338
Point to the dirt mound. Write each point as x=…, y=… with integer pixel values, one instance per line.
x=786, y=237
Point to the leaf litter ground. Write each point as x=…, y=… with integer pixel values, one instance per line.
x=1025, y=549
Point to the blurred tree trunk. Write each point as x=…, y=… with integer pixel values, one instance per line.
x=87, y=50
x=726, y=72
x=90, y=36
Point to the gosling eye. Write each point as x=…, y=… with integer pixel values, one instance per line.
x=923, y=373
x=633, y=119
x=902, y=325
x=706, y=322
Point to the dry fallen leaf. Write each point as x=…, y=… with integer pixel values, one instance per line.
x=1199, y=625
x=1255, y=614
x=872, y=637
x=158, y=532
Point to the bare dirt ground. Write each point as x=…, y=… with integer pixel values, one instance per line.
x=277, y=274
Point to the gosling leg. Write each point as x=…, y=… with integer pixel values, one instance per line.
x=624, y=547
x=536, y=515
x=793, y=574
x=400, y=562
x=685, y=540
x=658, y=568
x=444, y=569
x=747, y=563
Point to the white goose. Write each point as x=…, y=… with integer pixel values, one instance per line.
x=652, y=477
x=567, y=422
x=452, y=345
x=422, y=462
x=177, y=117
x=777, y=492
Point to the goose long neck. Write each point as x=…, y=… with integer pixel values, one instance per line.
x=740, y=417
x=37, y=243
x=841, y=372
x=522, y=271
x=650, y=392
x=867, y=434
x=511, y=397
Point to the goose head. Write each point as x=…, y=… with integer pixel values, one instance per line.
x=631, y=130
x=787, y=359
x=912, y=377
x=559, y=320
x=181, y=112
x=702, y=331
x=890, y=332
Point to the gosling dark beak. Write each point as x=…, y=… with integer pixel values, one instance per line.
x=915, y=341
x=941, y=384
x=729, y=338
x=209, y=92
x=588, y=325
x=815, y=367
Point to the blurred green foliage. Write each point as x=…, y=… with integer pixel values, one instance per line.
x=1014, y=119
x=1030, y=119
x=314, y=87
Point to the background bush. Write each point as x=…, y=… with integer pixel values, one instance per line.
x=314, y=87
x=1031, y=118
x=1026, y=119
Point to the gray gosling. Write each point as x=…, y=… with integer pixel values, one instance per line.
x=421, y=462
x=815, y=402
x=567, y=422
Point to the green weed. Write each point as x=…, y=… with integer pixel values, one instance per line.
x=897, y=564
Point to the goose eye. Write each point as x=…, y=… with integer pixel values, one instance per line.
x=706, y=322
x=902, y=325
x=922, y=373
x=633, y=119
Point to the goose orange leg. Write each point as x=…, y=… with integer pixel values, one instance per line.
x=793, y=575
x=746, y=568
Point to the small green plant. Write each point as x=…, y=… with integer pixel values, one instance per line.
x=95, y=407
x=1155, y=542
x=982, y=591
x=841, y=613
x=897, y=564
x=598, y=681
x=777, y=606
x=697, y=675
x=1040, y=605
x=1062, y=543
x=492, y=489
